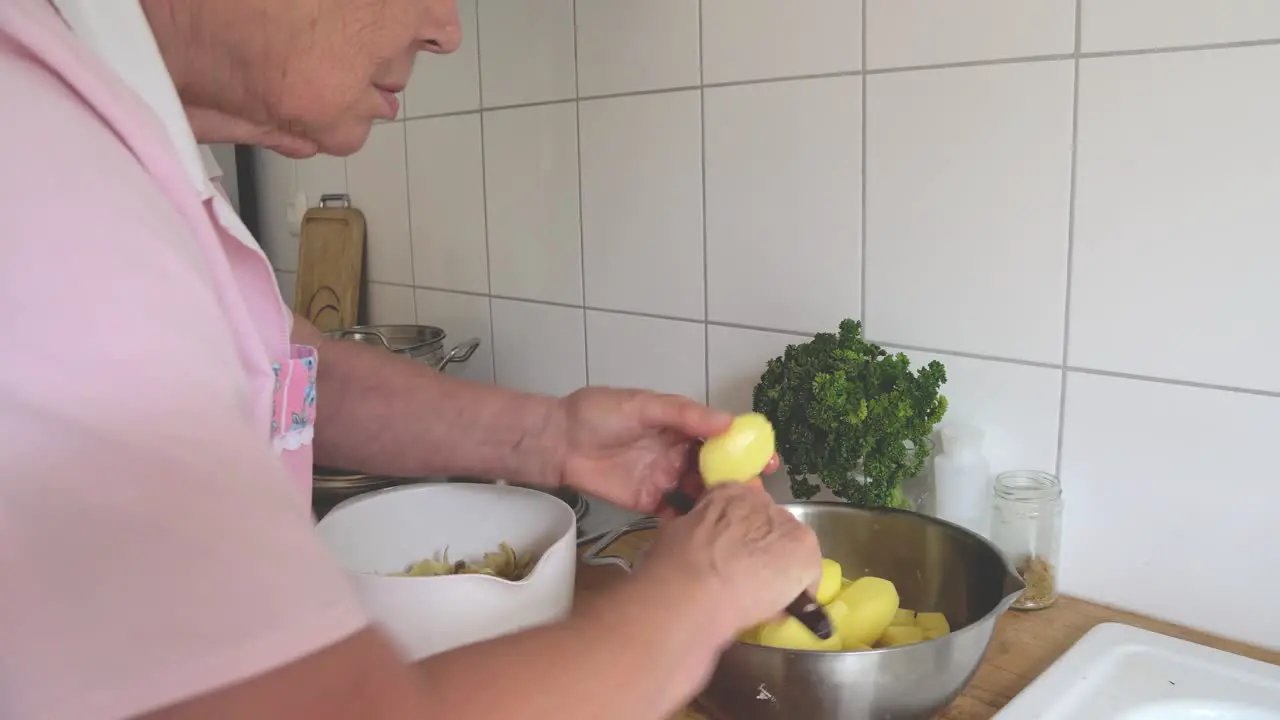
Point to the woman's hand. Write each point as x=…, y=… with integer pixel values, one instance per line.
x=632, y=447
x=738, y=553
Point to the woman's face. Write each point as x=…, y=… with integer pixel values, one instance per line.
x=319, y=70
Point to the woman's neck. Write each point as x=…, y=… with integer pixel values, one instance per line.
x=204, y=82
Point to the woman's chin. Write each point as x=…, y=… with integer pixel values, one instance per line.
x=343, y=140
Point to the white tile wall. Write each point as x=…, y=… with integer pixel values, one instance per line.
x=1166, y=487
x=968, y=201
x=1016, y=405
x=735, y=359
x=627, y=46
x=903, y=33
x=1176, y=254
x=447, y=83
x=679, y=238
x=1133, y=25
x=633, y=351
x=379, y=187
x=446, y=203
x=641, y=159
x=529, y=51
x=277, y=184
x=531, y=193
x=321, y=175
x=539, y=348
x=388, y=305
x=755, y=39
x=783, y=200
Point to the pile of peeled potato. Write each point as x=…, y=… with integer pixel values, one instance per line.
x=864, y=612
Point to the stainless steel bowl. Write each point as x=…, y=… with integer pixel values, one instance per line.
x=936, y=566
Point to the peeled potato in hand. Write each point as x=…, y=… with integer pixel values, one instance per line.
x=740, y=453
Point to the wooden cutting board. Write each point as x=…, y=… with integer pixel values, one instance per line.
x=330, y=264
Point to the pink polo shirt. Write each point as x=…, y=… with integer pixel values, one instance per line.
x=153, y=545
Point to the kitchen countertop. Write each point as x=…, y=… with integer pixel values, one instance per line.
x=1025, y=643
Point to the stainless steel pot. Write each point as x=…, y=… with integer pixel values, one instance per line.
x=936, y=566
x=424, y=343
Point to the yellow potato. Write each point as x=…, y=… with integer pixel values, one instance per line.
x=838, y=612
x=738, y=454
x=855, y=646
x=872, y=604
x=831, y=583
x=791, y=634
x=933, y=625
x=904, y=617
x=896, y=635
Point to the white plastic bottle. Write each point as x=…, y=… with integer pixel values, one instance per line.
x=962, y=479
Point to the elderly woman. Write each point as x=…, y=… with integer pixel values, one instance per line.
x=157, y=557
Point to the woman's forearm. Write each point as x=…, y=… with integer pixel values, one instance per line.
x=383, y=413
x=638, y=652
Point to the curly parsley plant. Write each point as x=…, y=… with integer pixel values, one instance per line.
x=849, y=413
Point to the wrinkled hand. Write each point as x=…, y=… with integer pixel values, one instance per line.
x=737, y=550
x=632, y=447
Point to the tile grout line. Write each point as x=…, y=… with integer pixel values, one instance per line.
x=862, y=240
x=293, y=169
x=1232, y=45
x=854, y=73
x=1116, y=374
x=582, y=237
x=799, y=334
x=706, y=266
x=1071, y=234
x=364, y=261
x=408, y=209
x=484, y=197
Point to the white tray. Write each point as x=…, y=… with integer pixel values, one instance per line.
x=1119, y=672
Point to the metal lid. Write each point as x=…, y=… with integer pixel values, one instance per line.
x=323, y=478
x=396, y=338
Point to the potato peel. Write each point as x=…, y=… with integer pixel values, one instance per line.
x=503, y=563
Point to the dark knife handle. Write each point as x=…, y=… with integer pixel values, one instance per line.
x=804, y=608
x=812, y=615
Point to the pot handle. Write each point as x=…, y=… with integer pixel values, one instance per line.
x=592, y=556
x=343, y=333
x=461, y=352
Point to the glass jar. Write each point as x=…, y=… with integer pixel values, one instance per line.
x=1026, y=524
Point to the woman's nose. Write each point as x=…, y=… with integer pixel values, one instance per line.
x=442, y=32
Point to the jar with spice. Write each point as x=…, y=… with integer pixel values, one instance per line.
x=1026, y=524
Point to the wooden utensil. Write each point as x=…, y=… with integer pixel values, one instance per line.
x=330, y=264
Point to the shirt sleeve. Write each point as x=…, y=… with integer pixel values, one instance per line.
x=151, y=546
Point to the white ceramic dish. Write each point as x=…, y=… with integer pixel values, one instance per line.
x=1119, y=672
x=384, y=531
